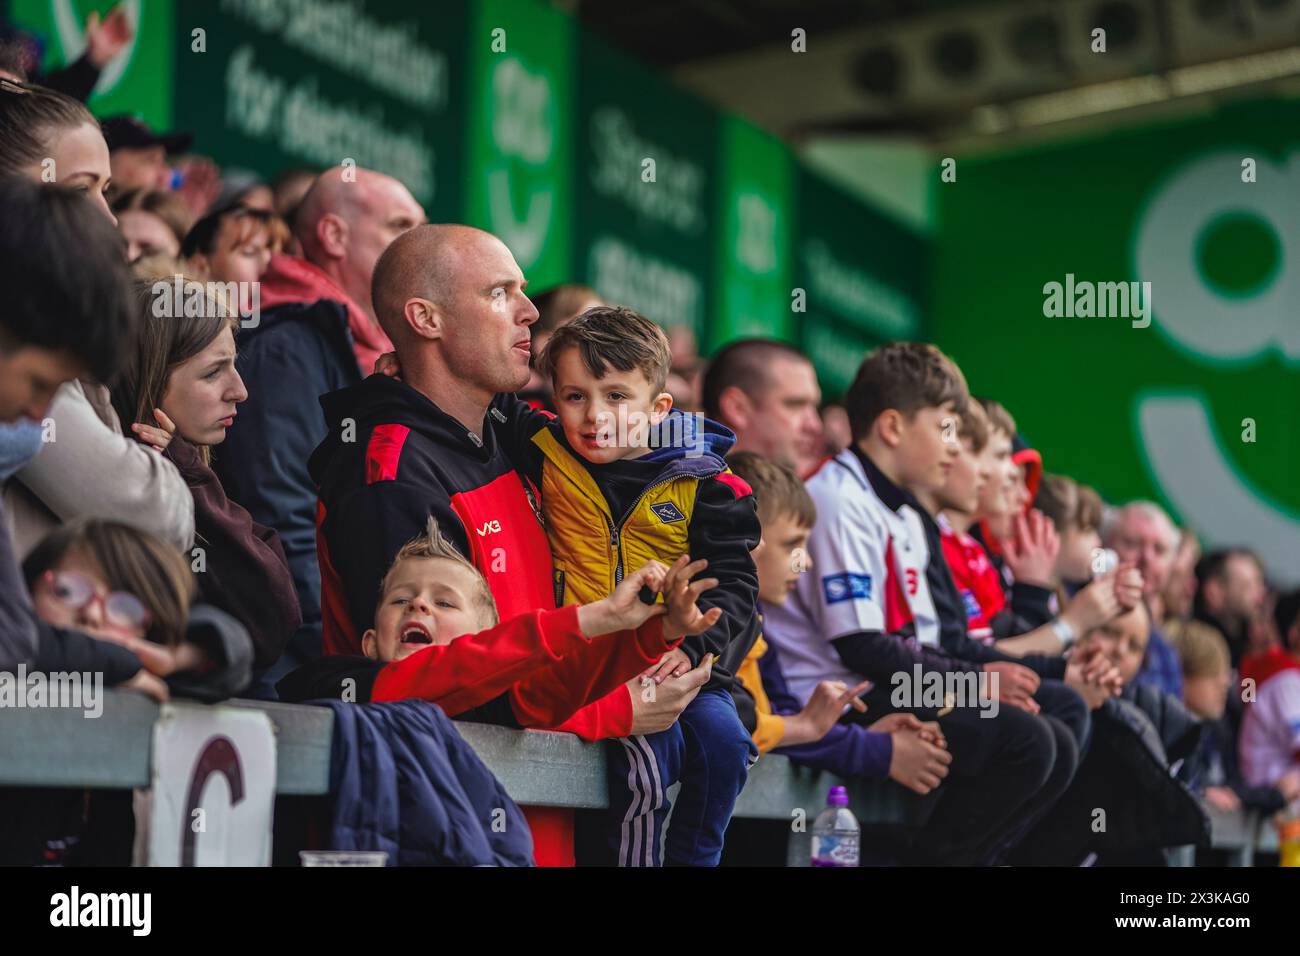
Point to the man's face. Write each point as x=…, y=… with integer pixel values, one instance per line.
x=1243, y=586
x=966, y=480
x=382, y=209
x=783, y=423
x=142, y=168
x=427, y=601
x=1123, y=641
x=487, y=317
x=29, y=377
x=606, y=418
x=781, y=556
x=1145, y=540
x=928, y=448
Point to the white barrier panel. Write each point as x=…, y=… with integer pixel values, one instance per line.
x=213, y=788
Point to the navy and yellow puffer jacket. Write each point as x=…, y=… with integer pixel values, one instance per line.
x=694, y=505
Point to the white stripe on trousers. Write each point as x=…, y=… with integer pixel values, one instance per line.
x=637, y=845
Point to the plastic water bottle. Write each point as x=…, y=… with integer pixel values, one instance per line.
x=835, y=833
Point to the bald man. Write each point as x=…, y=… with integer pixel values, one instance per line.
x=1144, y=535
x=452, y=300
x=317, y=333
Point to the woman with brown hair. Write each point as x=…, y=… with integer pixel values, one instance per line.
x=182, y=390
x=152, y=222
x=78, y=463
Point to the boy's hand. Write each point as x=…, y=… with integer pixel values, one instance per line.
x=387, y=364
x=1017, y=684
x=656, y=707
x=1091, y=674
x=684, y=618
x=624, y=610
x=822, y=712
x=1128, y=586
x=917, y=764
x=675, y=663
x=1094, y=605
x=927, y=730
x=1031, y=550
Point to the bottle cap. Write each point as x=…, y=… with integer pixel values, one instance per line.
x=838, y=797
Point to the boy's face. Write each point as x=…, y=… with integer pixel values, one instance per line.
x=1207, y=696
x=928, y=448
x=427, y=601
x=1123, y=641
x=966, y=480
x=606, y=418
x=29, y=377
x=995, y=497
x=781, y=556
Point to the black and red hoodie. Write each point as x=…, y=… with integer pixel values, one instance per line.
x=391, y=459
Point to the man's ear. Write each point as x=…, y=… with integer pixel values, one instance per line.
x=424, y=318
x=332, y=235
x=736, y=408
x=370, y=644
x=889, y=427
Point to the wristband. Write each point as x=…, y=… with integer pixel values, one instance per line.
x=1063, y=631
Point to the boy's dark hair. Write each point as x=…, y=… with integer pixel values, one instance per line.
x=1285, y=613
x=30, y=115
x=907, y=376
x=1090, y=510
x=777, y=489
x=999, y=418
x=612, y=335
x=66, y=283
x=1058, y=498
x=742, y=364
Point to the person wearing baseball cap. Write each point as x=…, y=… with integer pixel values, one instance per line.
x=138, y=155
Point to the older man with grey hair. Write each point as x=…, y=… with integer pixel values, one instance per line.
x=1142, y=533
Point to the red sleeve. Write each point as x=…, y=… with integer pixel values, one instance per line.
x=584, y=693
x=474, y=669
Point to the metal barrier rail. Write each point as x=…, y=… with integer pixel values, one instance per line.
x=62, y=748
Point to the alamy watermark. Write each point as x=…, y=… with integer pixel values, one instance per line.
x=72, y=690
x=943, y=691
x=1101, y=300
x=633, y=429
x=181, y=297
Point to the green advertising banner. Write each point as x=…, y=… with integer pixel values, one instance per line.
x=754, y=288
x=646, y=167
x=1133, y=302
x=862, y=277
x=275, y=83
x=139, y=79
x=519, y=182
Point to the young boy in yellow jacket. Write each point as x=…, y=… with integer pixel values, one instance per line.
x=625, y=479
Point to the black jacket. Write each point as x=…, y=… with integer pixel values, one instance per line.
x=295, y=354
x=392, y=460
